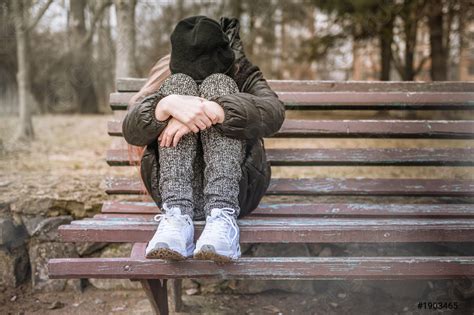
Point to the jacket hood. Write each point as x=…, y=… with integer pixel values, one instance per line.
x=231, y=27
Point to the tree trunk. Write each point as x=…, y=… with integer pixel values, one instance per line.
x=106, y=62
x=410, y=44
x=386, y=39
x=236, y=9
x=125, y=65
x=439, y=67
x=80, y=73
x=25, y=128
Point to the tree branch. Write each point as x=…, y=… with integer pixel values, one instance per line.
x=96, y=19
x=396, y=58
x=40, y=14
x=421, y=64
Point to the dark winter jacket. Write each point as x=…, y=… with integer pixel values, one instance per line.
x=253, y=113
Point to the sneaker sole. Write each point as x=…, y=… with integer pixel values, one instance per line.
x=165, y=253
x=208, y=253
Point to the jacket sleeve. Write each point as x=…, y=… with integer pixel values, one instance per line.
x=140, y=126
x=255, y=112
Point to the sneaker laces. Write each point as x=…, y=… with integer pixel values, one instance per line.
x=172, y=219
x=215, y=225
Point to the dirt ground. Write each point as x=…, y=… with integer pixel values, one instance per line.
x=93, y=301
x=67, y=160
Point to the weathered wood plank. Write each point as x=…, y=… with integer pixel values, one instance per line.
x=135, y=84
x=127, y=208
x=430, y=267
x=354, y=100
x=336, y=186
x=296, y=230
x=344, y=157
x=292, y=128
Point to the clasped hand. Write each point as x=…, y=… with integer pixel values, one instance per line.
x=189, y=113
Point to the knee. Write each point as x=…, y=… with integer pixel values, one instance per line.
x=179, y=83
x=218, y=84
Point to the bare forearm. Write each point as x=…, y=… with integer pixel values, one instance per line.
x=161, y=111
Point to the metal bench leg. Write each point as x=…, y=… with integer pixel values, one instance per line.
x=175, y=292
x=157, y=293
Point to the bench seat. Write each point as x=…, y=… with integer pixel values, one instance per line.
x=280, y=268
x=132, y=208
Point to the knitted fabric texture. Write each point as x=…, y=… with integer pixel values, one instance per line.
x=203, y=171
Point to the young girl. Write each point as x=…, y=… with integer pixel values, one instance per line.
x=202, y=115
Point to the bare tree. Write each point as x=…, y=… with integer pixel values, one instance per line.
x=81, y=69
x=24, y=24
x=105, y=52
x=125, y=65
x=411, y=13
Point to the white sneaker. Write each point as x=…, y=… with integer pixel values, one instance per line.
x=219, y=240
x=174, y=237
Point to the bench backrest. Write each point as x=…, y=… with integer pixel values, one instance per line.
x=320, y=110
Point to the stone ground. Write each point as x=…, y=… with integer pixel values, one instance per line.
x=60, y=174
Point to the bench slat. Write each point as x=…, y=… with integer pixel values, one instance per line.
x=296, y=230
x=322, y=209
x=353, y=100
x=340, y=157
x=335, y=186
x=292, y=128
x=135, y=84
x=334, y=268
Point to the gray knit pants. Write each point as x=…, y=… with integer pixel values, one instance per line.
x=204, y=170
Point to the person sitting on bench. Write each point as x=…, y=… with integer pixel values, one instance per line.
x=202, y=115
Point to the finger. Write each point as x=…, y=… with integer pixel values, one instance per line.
x=193, y=127
x=163, y=139
x=207, y=121
x=201, y=124
x=212, y=116
x=178, y=137
x=163, y=134
x=169, y=139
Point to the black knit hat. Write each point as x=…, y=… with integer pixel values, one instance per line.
x=200, y=48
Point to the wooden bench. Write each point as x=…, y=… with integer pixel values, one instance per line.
x=316, y=210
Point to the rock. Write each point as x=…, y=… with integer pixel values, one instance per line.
x=86, y=249
x=5, y=209
x=192, y=291
x=143, y=307
x=31, y=222
x=39, y=254
x=315, y=248
x=98, y=301
x=116, y=250
x=325, y=252
x=52, y=207
x=14, y=266
x=11, y=235
x=115, y=284
x=47, y=229
x=56, y=305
